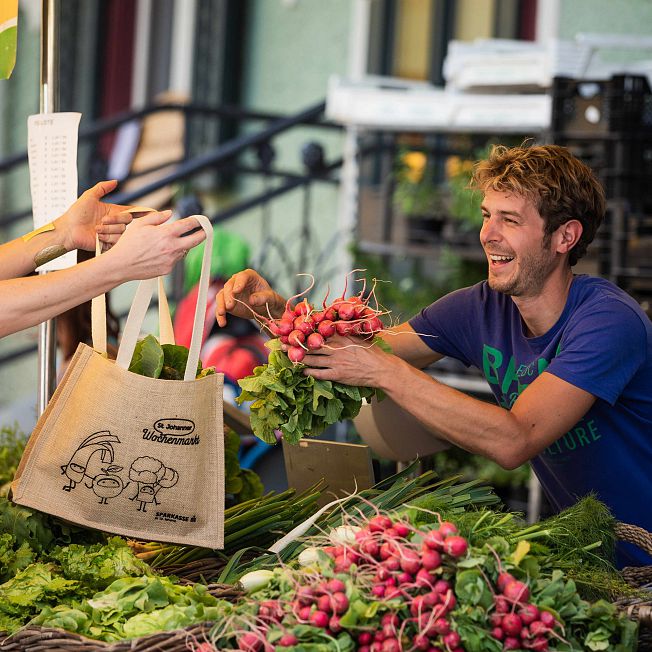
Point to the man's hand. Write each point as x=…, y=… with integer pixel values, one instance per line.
x=245, y=294
x=352, y=361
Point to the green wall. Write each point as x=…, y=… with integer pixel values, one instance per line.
x=605, y=16
x=292, y=49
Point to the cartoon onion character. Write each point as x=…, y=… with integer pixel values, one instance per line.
x=99, y=443
x=108, y=484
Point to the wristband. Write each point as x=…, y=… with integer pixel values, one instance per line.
x=48, y=254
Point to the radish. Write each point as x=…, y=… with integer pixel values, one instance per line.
x=430, y=559
x=304, y=614
x=334, y=624
x=449, y=600
x=296, y=338
x=346, y=311
x=447, y=528
x=378, y=590
x=503, y=580
x=335, y=586
x=529, y=614
x=370, y=547
x=315, y=341
x=409, y=561
x=540, y=643
x=431, y=599
x=547, y=619
x=452, y=639
x=424, y=578
x=340, y=603
x=421, y=642
x=391, y=563
x=326, y=329
x=496, y=620
x=512, y=624
x=303, y=308
x=344, y=328
x=502, y=606
x=391, y=645
x=434, y=539
x=498, y=633
x=287, y=640
x=379, y=523
x=274, y=328
x=296, y=354
x=249, y=642
x=390, y=619
x=455, y=546
x=304, y=324
x=389, y=631
x=365, y=638
x=511, y=643
x=517, y=592
x=285, y=326
x=324, y=603
x=319, y=619
x=442, y=626
x=442, y=587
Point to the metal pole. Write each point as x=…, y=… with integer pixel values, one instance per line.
x=47, y=344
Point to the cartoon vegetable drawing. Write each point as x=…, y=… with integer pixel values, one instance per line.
x=99, y=443
x=108, y=484
x=150, y=476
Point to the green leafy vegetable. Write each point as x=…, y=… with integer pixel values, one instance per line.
x=99, y=565
x=285, y=399
x=147, y=359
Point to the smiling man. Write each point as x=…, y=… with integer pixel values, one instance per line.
x=568, y=357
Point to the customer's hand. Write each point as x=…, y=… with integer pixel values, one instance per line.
x=78, y=224
x=245, y=294
x=151, y=246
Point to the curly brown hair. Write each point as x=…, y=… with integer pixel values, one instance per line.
x=561, y=187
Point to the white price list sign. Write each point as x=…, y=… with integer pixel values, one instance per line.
x=52, y=153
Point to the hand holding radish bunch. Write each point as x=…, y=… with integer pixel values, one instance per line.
x=247, y=293
x=302, y=327
x=297, y=403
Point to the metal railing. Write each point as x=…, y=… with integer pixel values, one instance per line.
x=222, y=157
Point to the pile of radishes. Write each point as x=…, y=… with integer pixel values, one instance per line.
x=410, y=574
x=383, y=565
x=306, y=328
x=516, y=622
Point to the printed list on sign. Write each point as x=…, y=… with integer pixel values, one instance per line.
x=52, y=153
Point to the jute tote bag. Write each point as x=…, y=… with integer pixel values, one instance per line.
x=127, y=454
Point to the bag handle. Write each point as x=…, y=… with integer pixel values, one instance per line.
x=98, y=315
x=144, y=296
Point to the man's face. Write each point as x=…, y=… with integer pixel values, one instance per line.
x=512, y=236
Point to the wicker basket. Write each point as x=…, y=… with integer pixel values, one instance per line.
x=40, y=639
x=639, y=609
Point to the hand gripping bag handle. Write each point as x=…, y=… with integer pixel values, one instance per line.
x=143, y=298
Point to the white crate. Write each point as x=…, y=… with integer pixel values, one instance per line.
x=393, y=104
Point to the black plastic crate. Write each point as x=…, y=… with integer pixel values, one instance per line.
x=622, y=104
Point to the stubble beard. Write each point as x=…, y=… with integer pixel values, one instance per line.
x=530, y=276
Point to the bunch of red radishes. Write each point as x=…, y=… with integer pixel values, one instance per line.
x=304, y=328
x=411, y=573
x=518, y=623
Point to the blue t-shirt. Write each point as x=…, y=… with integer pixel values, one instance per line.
x=601, y=343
